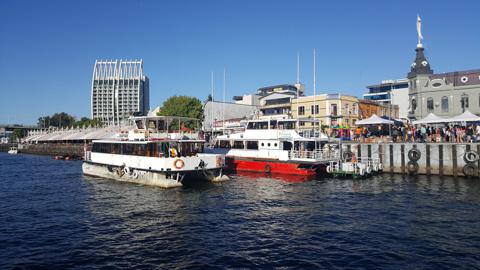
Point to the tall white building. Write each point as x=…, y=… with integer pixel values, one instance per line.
x=393, y=92
x=119, y=90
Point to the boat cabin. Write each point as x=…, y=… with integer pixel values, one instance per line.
x=149, y=148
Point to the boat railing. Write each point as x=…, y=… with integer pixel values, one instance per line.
x=316, y=155
x=88, y=155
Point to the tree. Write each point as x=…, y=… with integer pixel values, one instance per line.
x=18, y=134
x=85, y=122
x=65, y=120
x=182, y=106
x=57, y=120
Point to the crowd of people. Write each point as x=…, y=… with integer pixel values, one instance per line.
x=423, y=133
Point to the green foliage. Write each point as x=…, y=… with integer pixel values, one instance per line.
x=57, y=120
x=18, y=134
x=182, y=106
x=86, y=122
x=65, y=120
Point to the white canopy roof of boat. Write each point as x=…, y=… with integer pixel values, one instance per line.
x=373, y=120
x=464, y=117
x=431, y=119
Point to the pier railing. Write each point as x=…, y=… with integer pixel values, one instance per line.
x=315, y=155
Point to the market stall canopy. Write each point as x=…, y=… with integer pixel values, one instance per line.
x=374, y=120
x=431, y=119
x=465, y=117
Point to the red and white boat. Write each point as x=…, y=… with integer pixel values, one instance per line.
x=286, y=146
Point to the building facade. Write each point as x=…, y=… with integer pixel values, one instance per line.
x=329, y=109
x=367, y=108
x=393, y=92
x=276, y=105
x=216, y=112
x=445, y=94
x=119, y=90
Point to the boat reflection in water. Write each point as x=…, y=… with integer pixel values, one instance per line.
x=289, y=178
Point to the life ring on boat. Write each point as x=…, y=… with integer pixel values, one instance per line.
x=126, y=170
x=178, y=164
x=380, y=166
x=469, y=169
x=412, y=167
x=329, y=169
x=375, y=167
x=361, y=171
x=267, y=168
x=470, y=156
x=414, y=154
x=135, y=174
x=368, y=170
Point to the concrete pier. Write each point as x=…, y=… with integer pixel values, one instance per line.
x=435, y=158
x=55, y=149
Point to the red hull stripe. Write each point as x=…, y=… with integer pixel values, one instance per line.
x=267, y=166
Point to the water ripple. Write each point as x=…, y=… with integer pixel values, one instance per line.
x=54, y=218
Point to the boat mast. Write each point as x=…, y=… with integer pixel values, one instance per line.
x=314, y=92
x=223, y=104
x=298, y=90
x=211, y=123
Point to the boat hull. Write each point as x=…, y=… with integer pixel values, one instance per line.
x=235, y=164
x=148, y=177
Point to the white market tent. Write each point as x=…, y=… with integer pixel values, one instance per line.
x=464, y=117
x=431, y=119
x=374, y=120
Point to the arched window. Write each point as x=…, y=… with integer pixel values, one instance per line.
x=444, y=104
x=464, y=102
x=430, y=104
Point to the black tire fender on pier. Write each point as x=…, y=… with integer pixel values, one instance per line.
x=412, y=167
x=471, y=156
x=414, y=154
x=347, y=155
x=470, y=169
x=267, y=168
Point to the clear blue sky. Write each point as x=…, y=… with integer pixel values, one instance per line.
x=48, y=48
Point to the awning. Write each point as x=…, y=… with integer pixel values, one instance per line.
x=430, y=119
x=374, y=120
x=464, y=117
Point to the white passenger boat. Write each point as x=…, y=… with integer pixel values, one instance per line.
x=159, y=151
x=286, y=146
x=13, y=150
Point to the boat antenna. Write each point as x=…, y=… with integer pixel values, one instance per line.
x=223, y=104
x=298, y=84
x=314, y=94
x=213, y=88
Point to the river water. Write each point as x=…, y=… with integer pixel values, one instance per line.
x=53, y=217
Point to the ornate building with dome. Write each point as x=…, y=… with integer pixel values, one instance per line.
x=445, y=94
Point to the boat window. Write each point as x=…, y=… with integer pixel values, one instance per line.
x=275, y=144
x=286, y=125
x=310, y=146
x=252, y=145
x=287, y=146
x=152, y=124
x=225, y=144
x=116, y=149
x=238, y=145
x=263, y=144
x=257, y=125
x=139, y=124
x=268, y=144
x=273, y=124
